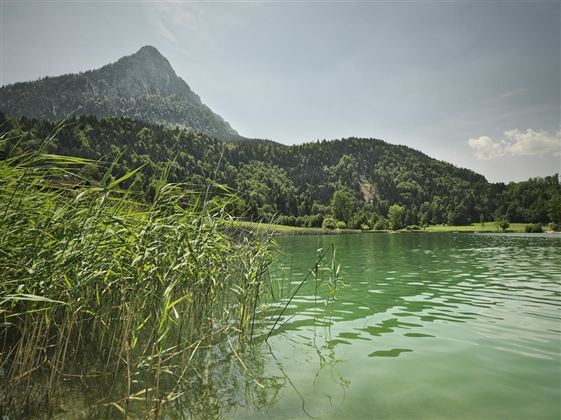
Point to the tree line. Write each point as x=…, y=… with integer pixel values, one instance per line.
x=354, y=182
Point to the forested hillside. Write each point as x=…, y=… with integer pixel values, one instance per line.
x=142, y=86
x=356, y=181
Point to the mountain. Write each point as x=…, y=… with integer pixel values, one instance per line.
x=293, y=184
x=140, y=86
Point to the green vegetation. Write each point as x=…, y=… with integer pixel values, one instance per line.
x=341, y=225
x=103, y=289
x=343, y=205
x=292, y=230
x=355, y=181
x=276, y=228
x=396, y=216
x=381, y=224
x=534, y=228
x=503, y=223
x=329, y=223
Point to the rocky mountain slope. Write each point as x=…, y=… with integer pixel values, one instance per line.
x=141, y=86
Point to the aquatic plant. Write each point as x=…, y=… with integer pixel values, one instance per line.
x=324, y=273
x=99, y=286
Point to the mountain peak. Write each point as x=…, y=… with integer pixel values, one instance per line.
x=149, y=55
x=147, y=62
x=142, y=86
x=148, y=50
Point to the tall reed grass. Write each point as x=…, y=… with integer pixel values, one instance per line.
x=98, y=286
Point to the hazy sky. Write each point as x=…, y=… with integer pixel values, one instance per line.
x=475, y=83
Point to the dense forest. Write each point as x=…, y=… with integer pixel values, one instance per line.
x=353, y=182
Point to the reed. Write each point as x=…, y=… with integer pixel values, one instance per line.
x=98, y=286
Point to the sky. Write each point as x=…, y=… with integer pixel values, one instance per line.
x=475, y=83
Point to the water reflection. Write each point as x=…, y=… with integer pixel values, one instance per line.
x=388, y=353
x=430, y=308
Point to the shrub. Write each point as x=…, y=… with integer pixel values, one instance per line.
x=315, y=220
x=329, y=223
x=359, y=219
x=413, y=227
x=286, y=220
x=381, y=224
x=364, y=227
x=534, y=228
x=554, y=227
x=341, y=225
x=503, y=224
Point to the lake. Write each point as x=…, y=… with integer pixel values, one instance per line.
x=429, y=326
x=420, y=326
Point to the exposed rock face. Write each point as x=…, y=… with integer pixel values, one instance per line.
x=142, y=86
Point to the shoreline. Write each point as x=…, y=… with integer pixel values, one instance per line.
x=283, y=230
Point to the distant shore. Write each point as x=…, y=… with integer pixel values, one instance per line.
x=487, y=227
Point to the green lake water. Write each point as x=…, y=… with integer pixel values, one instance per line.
x=429, y=326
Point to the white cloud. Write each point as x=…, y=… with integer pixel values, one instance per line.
x=486, y=148
x=533, y=142
x=517, y=143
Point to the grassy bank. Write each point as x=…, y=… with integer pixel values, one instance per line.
x=290, y=230
x=488, y=227
x=98, y=288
